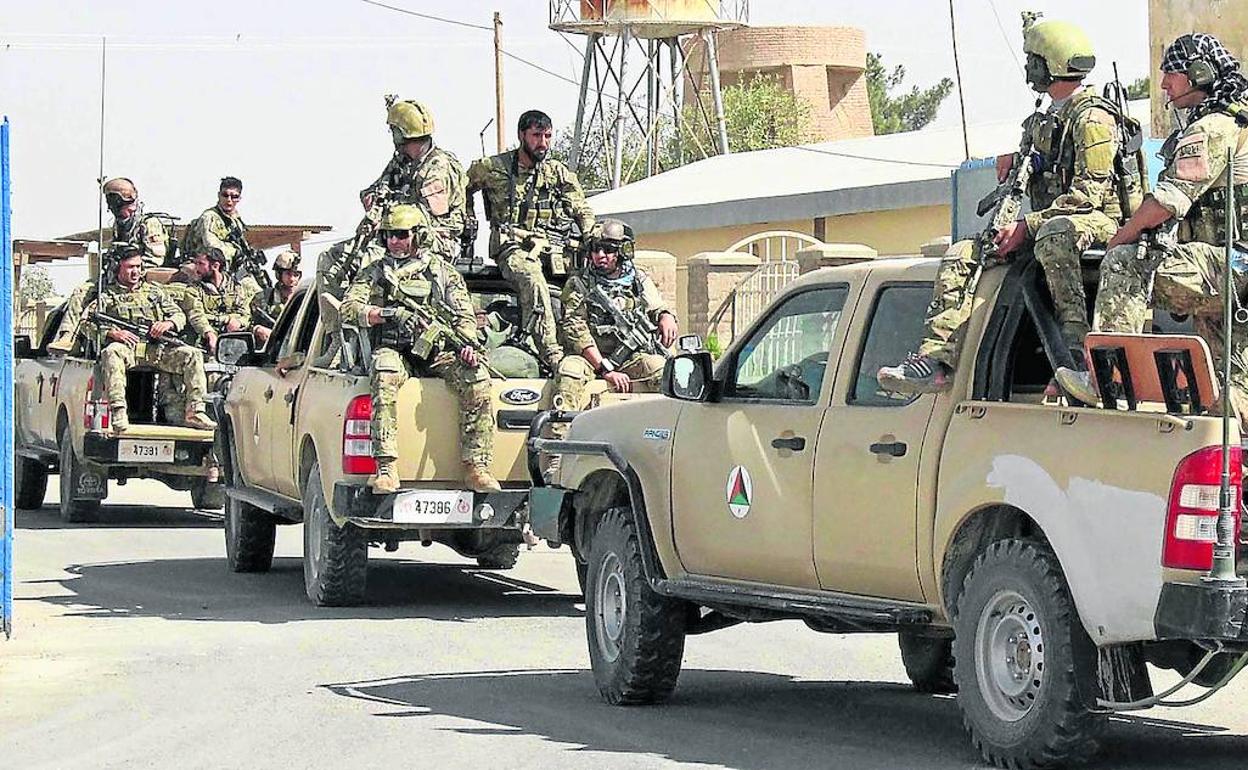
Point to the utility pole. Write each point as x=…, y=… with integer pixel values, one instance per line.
x=498, y=81
x=957, y=71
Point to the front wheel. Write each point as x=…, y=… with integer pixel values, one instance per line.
x=250, y=535
x=31, y=483
x=207, y=495
x=636, y=636
x=335, y=559
x=928, y=661
x=502, y=556
x=1014, y=660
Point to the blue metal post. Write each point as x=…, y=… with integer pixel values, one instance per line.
x=6, y=388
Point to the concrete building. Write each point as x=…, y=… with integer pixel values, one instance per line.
x=823, y=65
x=1227, y=20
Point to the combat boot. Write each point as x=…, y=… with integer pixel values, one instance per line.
x=118, y=419
x=478, y=478
x=1078, y=385
x=386, y=480
x=61, y=345
x=198, y=418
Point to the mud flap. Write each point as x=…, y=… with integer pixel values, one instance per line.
x=546, y=512
x=1117, y=674
x=88, y=481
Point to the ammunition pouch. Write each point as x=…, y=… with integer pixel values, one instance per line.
x=1206, y=219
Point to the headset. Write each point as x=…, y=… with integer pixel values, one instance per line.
x=1199, y=71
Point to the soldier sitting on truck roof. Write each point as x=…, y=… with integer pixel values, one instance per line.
x=140, y=303
x=381, y=299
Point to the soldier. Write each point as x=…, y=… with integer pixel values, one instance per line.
x=1200, y=75
x=221, y=228
x=410, y=269
x=217, y=303
x=267, y=306
x=589, y=331
x=528, y=198
x=1077, y=201
x=147, y=232
x=133, y=299
x=423, y=174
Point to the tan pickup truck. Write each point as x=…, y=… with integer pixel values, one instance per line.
x=295, y=448
x=62, y=427
x=1036, y=556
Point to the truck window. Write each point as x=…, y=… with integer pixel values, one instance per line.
x=785, y=358
x=298, y=335
x=895, y=329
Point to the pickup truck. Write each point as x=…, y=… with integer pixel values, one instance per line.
x=1032, y=555
x=295, y=447
x=62, y=427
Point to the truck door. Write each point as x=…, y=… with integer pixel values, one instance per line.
x=866, y=478
x=296, y=349
x=742, y=466
x=36, y=384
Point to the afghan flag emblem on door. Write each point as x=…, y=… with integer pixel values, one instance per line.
x=739, y=491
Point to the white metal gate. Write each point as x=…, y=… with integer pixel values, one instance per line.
x=778, y=251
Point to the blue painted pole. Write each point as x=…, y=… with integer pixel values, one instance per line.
x=6, y=389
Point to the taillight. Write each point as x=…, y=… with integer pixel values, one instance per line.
x=357, y=441
x=94, y=410
x=1192, y=518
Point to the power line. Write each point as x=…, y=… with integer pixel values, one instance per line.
x=428, y=16
x=1005, y=37
x=896, y=161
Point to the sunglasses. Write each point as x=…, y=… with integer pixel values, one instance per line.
x=230, y=195
x=607, y=248
x=399, y=234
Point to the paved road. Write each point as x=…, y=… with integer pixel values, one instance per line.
x=135, y=648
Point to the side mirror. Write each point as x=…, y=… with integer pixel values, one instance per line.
x=689, y=343
x=688, y=377
x=21, y=347
x=234, y=347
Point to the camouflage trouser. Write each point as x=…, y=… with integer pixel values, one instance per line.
x=68, y=329
x=1060, y=243
x=950, y=306
x=1189, y=280
x=185, y=363
x=387, y=373
x=523, y=270
x=574, y=375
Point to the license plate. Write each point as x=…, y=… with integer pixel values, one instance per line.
x=433, y=507
x=129, y=450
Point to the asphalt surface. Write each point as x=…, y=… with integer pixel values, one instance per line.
x=135, y=647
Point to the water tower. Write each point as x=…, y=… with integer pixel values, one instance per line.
x=636, y=53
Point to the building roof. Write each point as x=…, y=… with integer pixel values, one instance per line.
x=36, y=251
x=259, y=236
x=849, y=176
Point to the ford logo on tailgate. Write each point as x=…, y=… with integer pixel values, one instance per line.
x=520, y=396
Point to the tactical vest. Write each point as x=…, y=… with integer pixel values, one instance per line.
x=222, y=300
x=408, y=283
x=1206, y=219
x=141, y=306
x=625, y=297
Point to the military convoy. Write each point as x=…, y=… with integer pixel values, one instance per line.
x=1021, y=561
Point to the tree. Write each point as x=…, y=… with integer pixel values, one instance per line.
x=905, y=111
x=36, y=285
x=1138, y=88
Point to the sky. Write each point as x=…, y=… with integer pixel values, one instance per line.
x=287, y=94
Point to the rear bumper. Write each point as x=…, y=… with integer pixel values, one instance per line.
x=495, y=510
x=1202, y=611
x=102, y=449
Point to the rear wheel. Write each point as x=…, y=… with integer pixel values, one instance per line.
x=636, y=636
x=31, y=483
x=71, y=470
x=1017, y=628
x=502, y=556
x=928, y=661
x=207, y=495
x=250, y=535
x=335, y=559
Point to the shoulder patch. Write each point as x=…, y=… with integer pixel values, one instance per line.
x=436, y=197
x=1191, y=158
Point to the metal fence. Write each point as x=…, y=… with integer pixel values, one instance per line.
x=778, y=251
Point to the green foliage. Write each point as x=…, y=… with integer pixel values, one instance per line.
x=36, y=285
x=713, y=346
x=905, y=111
x=1138, y=88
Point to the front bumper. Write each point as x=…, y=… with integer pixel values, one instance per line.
x=1203, y=611
x=188, y=454
x=494, y=510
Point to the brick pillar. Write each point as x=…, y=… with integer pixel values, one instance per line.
x=712, y=276
x=833, y=254
x=661, y=267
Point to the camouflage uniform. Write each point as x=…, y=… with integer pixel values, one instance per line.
x=336, y=270
x=1075, y=207
x=212, y=307
x=144, y=305
x=67, y=331
x=585, y=324
x=555, y=198
x=1189, y=277
x=436, y=183
x=214, y=229
x=148, y=233
x=268, y=303
x=426, y=278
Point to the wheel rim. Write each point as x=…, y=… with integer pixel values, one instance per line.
x=611, y=606
x=1009, y=655
x=314, y=540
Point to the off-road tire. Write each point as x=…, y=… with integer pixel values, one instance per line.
x=30, y=483
x=636, y=637
x=582, y=574
x=73, y=511
x=501, y=556
x=1015, y=602
x=250, y=534
x=928, y=661
x=335, y=559
x=207, y=495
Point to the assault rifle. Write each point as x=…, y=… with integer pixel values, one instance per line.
x=366, y=230
x=634, y=332
x=248, y=261
x=435, y=324
x=264, y=317
x=168, y=338
x=564, y=245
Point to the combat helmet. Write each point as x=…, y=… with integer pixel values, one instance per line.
x=404, y=216
x=287, y=260
x=408, y=120
x=118, y=192
x=612, y=232
x=1056, y=50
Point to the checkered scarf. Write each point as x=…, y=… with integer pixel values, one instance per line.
x=1229, y=87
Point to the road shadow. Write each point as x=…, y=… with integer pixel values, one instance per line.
x=125, y=516
x=204, y=589
x=752, y=720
